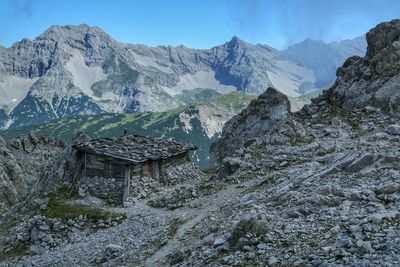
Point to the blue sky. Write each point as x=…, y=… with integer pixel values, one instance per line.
x=199, y=23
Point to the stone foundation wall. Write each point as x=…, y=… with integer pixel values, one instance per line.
x=109, y=189
x=175, y=174
x=170, y=164
x=143, y=186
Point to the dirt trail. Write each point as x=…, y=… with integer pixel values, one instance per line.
x=208, y=203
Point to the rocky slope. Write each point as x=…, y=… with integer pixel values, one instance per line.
x=266, y=119
x=20, y=175
x=81, y=70
x=329, y=198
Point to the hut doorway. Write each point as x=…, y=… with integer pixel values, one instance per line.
x=155, y=170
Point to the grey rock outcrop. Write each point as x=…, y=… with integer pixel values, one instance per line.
x=110, y=252
x=374, y=79
x=393, y=129
x=370, y=82
x=12, y=183
x=20, y=175
x=328, y=185
x=267, y=120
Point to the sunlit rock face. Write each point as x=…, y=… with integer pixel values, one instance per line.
x=374, y=79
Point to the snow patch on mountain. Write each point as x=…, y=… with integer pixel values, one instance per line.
x=12, y=90
x=84, y=76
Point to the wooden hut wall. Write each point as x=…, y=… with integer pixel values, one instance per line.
x=137, y=169
x=149, y=168
x=119, y=169
x=141, y=169
x=109, y=167
x=104, y=167
x=146, y=168
x=155, y=169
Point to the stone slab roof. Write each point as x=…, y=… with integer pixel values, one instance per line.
x=133, y=148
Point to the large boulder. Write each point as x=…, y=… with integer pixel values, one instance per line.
x=382, y=36
x=266, y=120
x=373, y=80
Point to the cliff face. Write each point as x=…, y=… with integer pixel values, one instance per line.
x=325, y=58
x=374, y=79
x=266, y=120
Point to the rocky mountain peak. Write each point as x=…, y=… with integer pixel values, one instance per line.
x=374, y=79
x=93, y=41
x=382, y=36
x=266, y=120
x=361, y=82
x=330, y=56
x=272, y=97
x=58, y=28
x=57, y=31
x=313, y=41
x=236, y=39
x=236, y=43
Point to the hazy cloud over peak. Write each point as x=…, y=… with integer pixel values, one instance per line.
x=288, y=21
x=23, y=7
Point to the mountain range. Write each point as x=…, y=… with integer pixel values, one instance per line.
x=81, y=70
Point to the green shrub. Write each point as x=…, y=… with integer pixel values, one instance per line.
x=18, y=249
x=59, y=208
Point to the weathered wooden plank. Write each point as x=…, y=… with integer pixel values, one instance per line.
x=155, y=170
x=93, y=172
x=145, y=169
x=137, y=169
x=100, y=173
x=95, y=164
x=127, y=182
